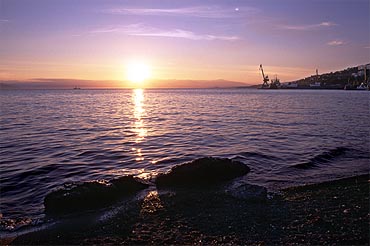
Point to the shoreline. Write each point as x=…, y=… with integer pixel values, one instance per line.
x=332, y=212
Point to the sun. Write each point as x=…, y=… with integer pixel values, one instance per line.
x=137, y=72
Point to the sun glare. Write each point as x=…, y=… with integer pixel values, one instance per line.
x=137, y=72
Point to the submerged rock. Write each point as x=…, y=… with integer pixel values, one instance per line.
x=90, y=195
x=202, y=172
x=242, y=190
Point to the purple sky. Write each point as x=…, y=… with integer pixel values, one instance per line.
x=189, y=39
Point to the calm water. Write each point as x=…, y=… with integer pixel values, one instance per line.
x=287, y=137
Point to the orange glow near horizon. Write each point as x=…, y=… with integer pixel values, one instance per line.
x=143, y=75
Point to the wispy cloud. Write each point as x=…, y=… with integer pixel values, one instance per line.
x=336, y=43
x=197, y=11
x=307, y=27
x=142, y=30
x=179, y=33
x=3, y=21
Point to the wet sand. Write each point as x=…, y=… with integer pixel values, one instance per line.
x=335, y=212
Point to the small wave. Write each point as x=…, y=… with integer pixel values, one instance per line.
x=305, y=165
x=257, y=155
x=324, y=157
x=88, y=152
x=99, y=155
x=37, y=171
x=90, y=195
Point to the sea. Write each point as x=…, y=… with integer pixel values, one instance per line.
x=50, y=138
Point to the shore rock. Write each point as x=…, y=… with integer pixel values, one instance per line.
x=202, y=173
x=307, y=215
x=90, y=195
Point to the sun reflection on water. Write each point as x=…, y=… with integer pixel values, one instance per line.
x=138, y=126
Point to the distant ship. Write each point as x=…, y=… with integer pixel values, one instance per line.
x=76, y=88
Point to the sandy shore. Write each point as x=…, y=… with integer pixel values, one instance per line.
x=335, y=212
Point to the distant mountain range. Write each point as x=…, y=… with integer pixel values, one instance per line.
x=100, y=84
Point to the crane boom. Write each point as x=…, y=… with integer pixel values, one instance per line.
x=265, y=78
x=263, y=74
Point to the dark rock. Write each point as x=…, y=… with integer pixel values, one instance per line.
x=242, y=190
x=202, y=172
x=89, y=195
x=128, y=183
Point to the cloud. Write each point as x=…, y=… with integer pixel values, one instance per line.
x=179, y=33
x=307, y=27
x=142, y=30
x=336, y=43
x=4, y=21
x=197, y=11
x=327, y=24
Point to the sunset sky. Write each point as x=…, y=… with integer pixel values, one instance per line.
x=197, y=40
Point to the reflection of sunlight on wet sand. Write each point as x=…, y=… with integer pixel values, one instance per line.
x=151, y=203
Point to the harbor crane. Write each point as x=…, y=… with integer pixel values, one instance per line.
x=265, y=78
x=274, y=84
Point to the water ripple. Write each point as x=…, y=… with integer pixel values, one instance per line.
x=50, y=138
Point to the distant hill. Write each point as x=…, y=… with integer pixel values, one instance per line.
x=71, y=83
x=337, y=79
x=333, y=80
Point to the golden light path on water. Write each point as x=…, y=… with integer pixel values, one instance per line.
x=138, y=127
x=151, y=202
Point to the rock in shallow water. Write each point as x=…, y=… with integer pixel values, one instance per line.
x=90, y=195
x=201, y=173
